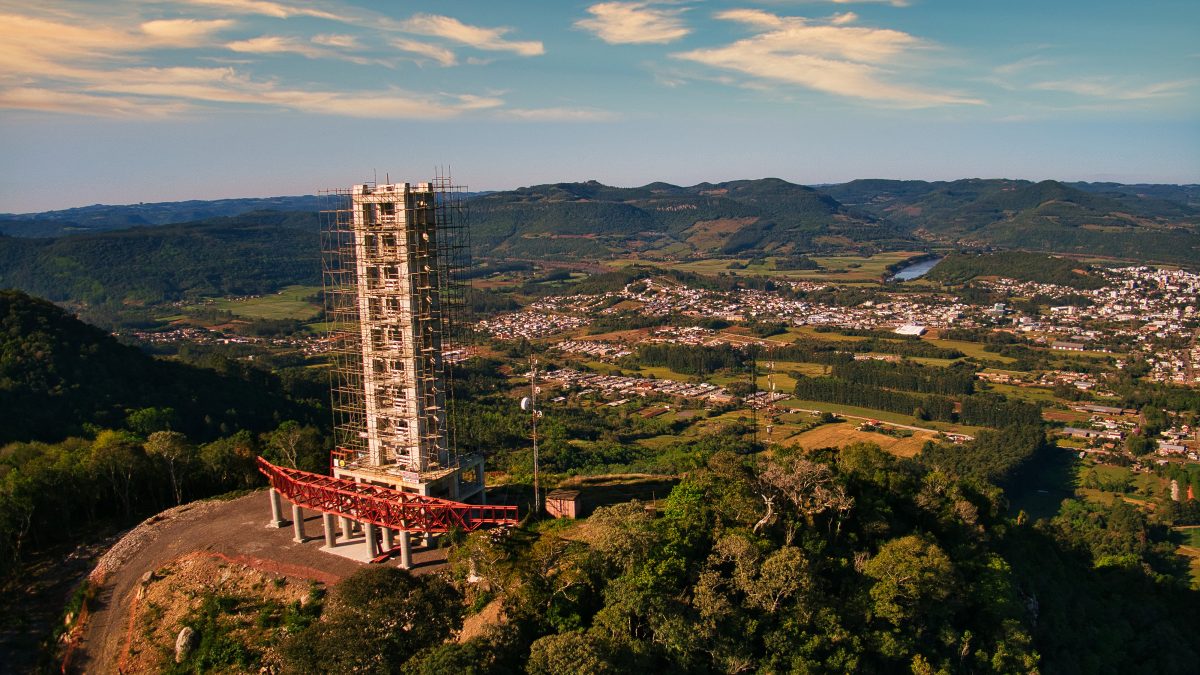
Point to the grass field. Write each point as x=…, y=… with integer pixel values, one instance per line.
x=972, y=349
x=1141, y=487
x=665, y=373
x=845, y=433
x=929, y=361
x=1190, y=548
x=1065, y=416
x=842, y=269
x=811, y=333
x=290, y=303
x=880, y=415
x=1191, y=536
x=1032, y=394
x=849, y=410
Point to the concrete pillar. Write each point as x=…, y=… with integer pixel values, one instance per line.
x=372, y=539
x=405, y=550
x=327, y=519
x=347, y=527
x=388, y=542
x=276, y=510
x=298, y=523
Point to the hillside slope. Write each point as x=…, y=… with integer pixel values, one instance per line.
x=105, y=217
x=1133, y=222
x=59, y=375
x=240, y=255
x=591, y=219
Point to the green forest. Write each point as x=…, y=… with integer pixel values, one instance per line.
x=959, y=268
x=845, y=560
x=836, y=560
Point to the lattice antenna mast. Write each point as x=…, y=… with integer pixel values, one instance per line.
x=529, y=404
x=753, y=391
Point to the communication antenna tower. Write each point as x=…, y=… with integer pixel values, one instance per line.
x=529, y=404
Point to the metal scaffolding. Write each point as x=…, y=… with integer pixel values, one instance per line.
x=391, y=256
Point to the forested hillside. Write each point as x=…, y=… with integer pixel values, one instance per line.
x=724, y=218
x=262, y=251
x=961, y=267
x=1120, y=221
x=838, y=561
x=61, y=377
x=251, y=253
x=102, y=217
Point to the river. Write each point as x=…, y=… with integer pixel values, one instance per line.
x=915, y=270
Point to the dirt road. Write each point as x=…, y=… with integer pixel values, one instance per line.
x=234, y=529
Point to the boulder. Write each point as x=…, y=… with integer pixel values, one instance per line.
x=185, y=643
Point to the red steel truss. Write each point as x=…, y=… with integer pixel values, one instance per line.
x=381, y=506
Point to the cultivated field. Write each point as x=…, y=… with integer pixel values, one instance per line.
x=845, y=433
x=290, y=303
x=840, y=269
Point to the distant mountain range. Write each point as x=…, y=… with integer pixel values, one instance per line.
x=149, y=253
x=251, y=253
x=102, y=218
x=591, y=219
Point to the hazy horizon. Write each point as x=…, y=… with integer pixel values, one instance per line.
x=550, y=182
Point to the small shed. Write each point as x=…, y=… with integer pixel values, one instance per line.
x=563, y=504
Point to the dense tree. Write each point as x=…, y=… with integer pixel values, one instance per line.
x=295, y=445
x=377, y=619
x=914, y=584
x=61, y=377
x=172, y=449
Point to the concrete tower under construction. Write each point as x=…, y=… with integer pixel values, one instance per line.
x=391, y=254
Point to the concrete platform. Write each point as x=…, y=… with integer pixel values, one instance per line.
x=352, y=549
x=355, y=548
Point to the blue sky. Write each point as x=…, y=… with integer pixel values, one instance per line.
x=157, y=100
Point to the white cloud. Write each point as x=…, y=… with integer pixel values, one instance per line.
x=438, y=53
x=278, y=10
x=228, y=86
x=49, y=100
x=752, y=17
x=89, y=68
x=183, y=32
x=1106, y=88
x=39, y=47
x=634, y=23
x=893, y=3
x=849, y=61
x=100, y=65
x=311, y=49
x=560, y=114
x=449, y=28
x=339, y=41
x=843, y=18
x=277, y=44
x=1021, y=65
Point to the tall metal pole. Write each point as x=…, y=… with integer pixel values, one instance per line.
x=754, y=390
x=537, y=503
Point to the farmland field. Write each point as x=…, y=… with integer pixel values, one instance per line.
x=290, y=303
x=836, y=435
x=972, y=349
x=841, y=269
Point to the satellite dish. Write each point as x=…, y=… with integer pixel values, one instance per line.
x=526, y=404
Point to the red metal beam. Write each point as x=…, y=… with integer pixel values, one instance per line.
x=382, y=506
